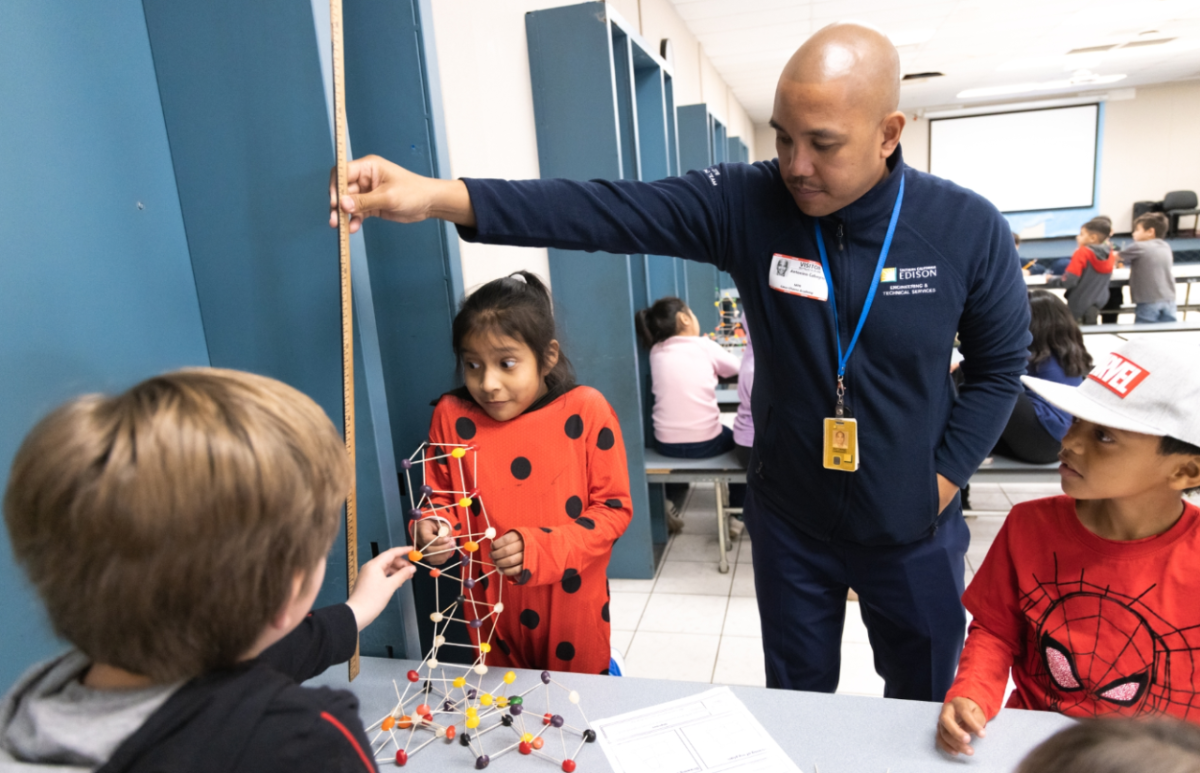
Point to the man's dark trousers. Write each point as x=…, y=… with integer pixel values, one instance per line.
x=910, y=596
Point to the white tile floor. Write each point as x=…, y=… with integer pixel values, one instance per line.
x=693, y=623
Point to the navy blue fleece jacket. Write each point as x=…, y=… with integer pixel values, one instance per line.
x=955, y=271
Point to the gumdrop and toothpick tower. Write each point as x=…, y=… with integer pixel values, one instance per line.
x=463, y=702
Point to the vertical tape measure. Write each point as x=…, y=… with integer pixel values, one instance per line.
x=339, y=141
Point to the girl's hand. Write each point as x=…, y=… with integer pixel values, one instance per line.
x=378, y=579
x=961, y=718
x=437, y=549
x=508, y=553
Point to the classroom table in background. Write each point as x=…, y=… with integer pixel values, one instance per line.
x=832, y=733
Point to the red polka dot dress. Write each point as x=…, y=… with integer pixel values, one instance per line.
x=556, y=474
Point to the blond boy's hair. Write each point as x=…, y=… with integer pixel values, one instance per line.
x=165, y=527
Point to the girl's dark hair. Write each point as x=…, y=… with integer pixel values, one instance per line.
x=660, y=321
x=1056, y=333
x=1118, y=746
x=517, y=306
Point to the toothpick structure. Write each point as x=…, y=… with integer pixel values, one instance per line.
x=451, y=702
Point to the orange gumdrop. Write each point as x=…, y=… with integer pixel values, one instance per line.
x=471, y=547
x=423, y=709
x=415, y=555
x=388, y=723
x=405, y=722
x=435, y=573
x=537, y=743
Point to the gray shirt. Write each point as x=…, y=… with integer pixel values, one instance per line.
x=50, y=721
x=1150, y=278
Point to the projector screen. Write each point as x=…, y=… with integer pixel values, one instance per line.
x=1023, y=161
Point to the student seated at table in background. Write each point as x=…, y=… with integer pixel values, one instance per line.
x=1118, y=746
x=1151, y=283
x=1089, y=598
x=684, y=368
x=177, y=535
x=1087, y=276
x=743, y=430
x=1035, y=429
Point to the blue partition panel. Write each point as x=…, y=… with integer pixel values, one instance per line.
x=697, y=132
x=244, y=99
x=579, y=137
x=96, y=289
x=415, y=271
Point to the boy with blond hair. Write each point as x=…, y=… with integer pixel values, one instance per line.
x=177, y=535
x=1089, y=599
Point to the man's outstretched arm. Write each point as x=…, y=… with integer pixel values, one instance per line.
x=378, y=188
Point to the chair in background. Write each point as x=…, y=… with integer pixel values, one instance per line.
x=1177, y=204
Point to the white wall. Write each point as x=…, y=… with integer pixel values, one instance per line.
x=488, y=99
x=915, y=142
x=1151, y=146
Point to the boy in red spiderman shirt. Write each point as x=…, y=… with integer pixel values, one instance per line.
x=1089, y=598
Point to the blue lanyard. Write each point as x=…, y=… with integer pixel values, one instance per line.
x=887, y=245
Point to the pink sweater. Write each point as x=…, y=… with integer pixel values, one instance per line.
x=684, y=371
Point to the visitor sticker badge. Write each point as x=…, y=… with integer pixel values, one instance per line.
x=797, y=276
x=841, y=444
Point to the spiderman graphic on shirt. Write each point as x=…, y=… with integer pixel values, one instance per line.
x=1102, y=652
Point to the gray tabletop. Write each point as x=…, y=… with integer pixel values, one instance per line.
x=837, y=733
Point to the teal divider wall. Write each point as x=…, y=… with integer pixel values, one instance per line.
x=96, y=288
x=701, y=145
x=586, y=107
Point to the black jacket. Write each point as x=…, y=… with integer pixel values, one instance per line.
x=952, y=270
x=256, y=717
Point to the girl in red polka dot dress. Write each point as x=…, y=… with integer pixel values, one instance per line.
x=551, y=472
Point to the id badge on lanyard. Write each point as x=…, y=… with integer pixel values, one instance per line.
x=841, y=451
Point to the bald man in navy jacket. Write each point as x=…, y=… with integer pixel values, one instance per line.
x=893, y=529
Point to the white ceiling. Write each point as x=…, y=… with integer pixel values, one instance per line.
x=976, y=43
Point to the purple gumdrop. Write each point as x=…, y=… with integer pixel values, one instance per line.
x=476, y=623
x=415, y=513
x=556, y=720
x=545, y=677
x=482, y=761
x=515, y=710
x=426, y=490
x=468, y=583
x=471, y=694
x=406, y=464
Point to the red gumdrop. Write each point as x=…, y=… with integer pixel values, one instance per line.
x=435, y=573
x=413, y=676
x=427, y=717
x=525, y=748
x=401, y=757
x=568, y=766
x=423, y=709
x=450, y=733
x=546, y=718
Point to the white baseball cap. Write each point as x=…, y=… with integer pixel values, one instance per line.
x=1143, y=386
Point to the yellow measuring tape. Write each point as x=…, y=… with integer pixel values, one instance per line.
x=339, y=141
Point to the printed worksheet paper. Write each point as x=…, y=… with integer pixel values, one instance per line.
x=712, y=732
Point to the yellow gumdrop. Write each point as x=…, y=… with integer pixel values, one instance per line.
x=527, y=737
x=485, y=647
x=458, y=453
x=472, y=722
x=470, y=547
x=510, y=677
x=471, y=711
x=502, y=702
x=464, y=502
x=459, y=681
x=486, y=699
